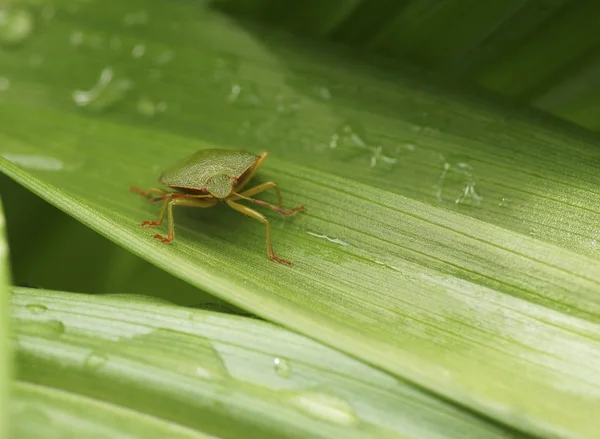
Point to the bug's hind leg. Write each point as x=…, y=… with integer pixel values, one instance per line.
x=264, y=187
x=147, y=193
x=260, y=217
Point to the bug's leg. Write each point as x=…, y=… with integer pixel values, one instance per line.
x=277, y=209
x=250, y=173
x=147, y=193
x=260, y=217
x=185, y=200
x=177, y=195
x=264, y=187
x=161, y=215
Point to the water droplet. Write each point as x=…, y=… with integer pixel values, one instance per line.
x=76, y=38
x=532, y=233
x=286, y=106
x=150, y=109
x=36, y=162
x=504, y=202
x=326, y=407
x=41, y=328
x=379, y=156
x=333, y=240
x=164, y=58
x=282, y=367
x=95, y=360
x=458, y=176
x=136, y=18
x=469, y=195
x=246, y=95
x=4, y=83
x=36, y=308
x=322, y=92
x=204, y=373
x=105, y=93
x=351, y=136
x=16, y=24
x=138, y=51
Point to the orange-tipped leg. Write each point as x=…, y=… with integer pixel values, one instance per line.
x=171, y=200
x=260, y=217
x=163, y=239
x=247, y=194
x=279, y=209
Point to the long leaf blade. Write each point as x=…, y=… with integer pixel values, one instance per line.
x=228, y=376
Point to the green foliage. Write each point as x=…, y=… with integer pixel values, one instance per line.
x=452, y=244
x=6, y=358
x=540, y=52
x=112, y=358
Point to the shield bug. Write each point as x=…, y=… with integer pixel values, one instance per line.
x=211, y=176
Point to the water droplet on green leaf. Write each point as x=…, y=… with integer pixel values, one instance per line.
x=36, y=308
x=95, y=360
x=16, y=24
x=326, y=407
x=282, y=367
x=106, y=92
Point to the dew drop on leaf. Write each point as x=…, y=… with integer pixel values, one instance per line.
x=36, y=308
x=164, y=58
x=282, y=367
x=35, y=162
x=16, y=24
x=323, y=406
x=105, y=93
x=138, y=51
x=41, y=328
x=329, y=238
x=148, y=108
x=95, y=360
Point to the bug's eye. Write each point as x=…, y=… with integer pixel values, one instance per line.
x=220, y=185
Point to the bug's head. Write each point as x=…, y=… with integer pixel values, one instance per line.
x=220, y=185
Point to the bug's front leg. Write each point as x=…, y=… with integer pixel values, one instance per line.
x=179, y=200
x=263, y=187
x=260, y=217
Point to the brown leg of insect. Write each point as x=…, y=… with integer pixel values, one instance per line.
x=250, y=173
x=186, y=200
x=147, y=193
x=264, y=187
x=277, y=209
x=168, y=201
x=260, y=217
x=161, y=215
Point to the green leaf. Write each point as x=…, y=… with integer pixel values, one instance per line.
x=487, y=295
x=113, y=366
x=6, y=356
